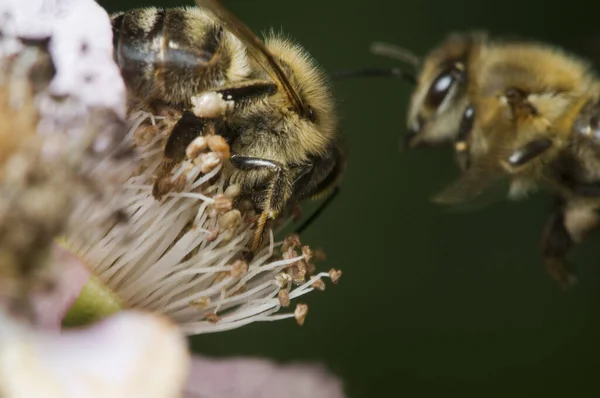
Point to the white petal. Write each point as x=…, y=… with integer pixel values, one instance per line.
x=129, y=355
x=81, y=47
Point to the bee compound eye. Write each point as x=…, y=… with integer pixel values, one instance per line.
x=441, y=86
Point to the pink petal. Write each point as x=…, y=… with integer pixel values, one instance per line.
x=259, y=378
x=70, y=275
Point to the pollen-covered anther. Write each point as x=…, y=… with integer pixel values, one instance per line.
x=230, y=220
x=213, y=318
x=201, y=303
x=291, y=242
x=207, y=161
x=284, y=298
x=218, y=145
x=297, y=271
x=196, y=147
x=221, y=277
x=211, y=105
x=335, y=275
x=289, y=253
x=300, y=313
x=222, y=204
x=239, y=268
x=283, y=280
x=318, y=284
x=307, y=253
x=233, y=191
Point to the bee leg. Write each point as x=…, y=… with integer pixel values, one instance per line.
x=556, y=242
x=528, y=152
x=248, y=90
x=566, y=228
x=225, y=100
x=187, y=128
x=461, y=144
x=277, y=194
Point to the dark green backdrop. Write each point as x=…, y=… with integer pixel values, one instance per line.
x=430, y=303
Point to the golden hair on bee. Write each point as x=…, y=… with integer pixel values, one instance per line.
x=308, y=78
x=301, y=136
x=297, y=138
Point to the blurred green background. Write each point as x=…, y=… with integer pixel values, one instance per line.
x=430, y=302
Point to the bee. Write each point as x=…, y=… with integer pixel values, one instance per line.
x=270, y=100
x=534, y=120
x=520, y=112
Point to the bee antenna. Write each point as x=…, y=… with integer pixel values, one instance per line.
x=396, y=52
x=375, y=72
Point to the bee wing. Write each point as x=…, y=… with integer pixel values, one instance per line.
x=484, y=183
x=256, y=49
x=474, y=191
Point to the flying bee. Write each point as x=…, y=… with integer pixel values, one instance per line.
x=518, y=112
x=522, y=110
x=533, y=119
x=269, y=100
